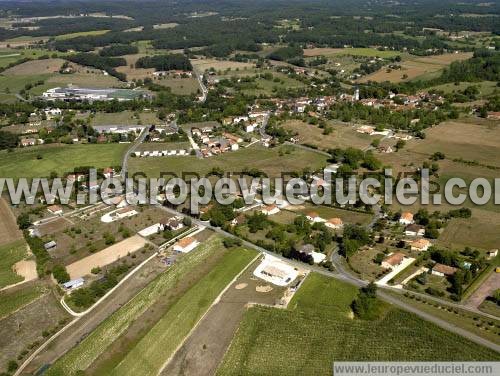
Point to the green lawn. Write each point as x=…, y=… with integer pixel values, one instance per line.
x=267, y=160
x=10, y=254
x=58, y=158
x=148, y=356
x=317, y=330
x=82, y=356
x=10, y=302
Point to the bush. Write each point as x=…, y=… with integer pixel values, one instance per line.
x=60, y=274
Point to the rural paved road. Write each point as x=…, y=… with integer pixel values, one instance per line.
x=132, y=149
x=204, y=90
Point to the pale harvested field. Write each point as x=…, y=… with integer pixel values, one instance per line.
x=478, y=141
x=9, y=232
x=342, y=135
x=105, y=257
x=180, y=86
x=480, y=231
x=45, y=66
x=331, y=52
x=205, y=64
x=26, y=269
x=132, y=72
x=415, y=67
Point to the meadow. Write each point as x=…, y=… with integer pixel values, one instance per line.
x=268, y=160
x=318, y=329
x=40, y=161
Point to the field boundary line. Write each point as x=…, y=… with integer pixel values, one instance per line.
x=80, y=314
x=216, y=301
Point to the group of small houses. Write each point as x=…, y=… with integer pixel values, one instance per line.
x=419, y=244
x=216, y=145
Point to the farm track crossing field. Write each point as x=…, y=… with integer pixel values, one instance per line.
x=58, y=158
x=160, y=343
x=97, y=343
x=318, y=330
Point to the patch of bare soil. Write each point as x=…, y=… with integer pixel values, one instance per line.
x=203, y=350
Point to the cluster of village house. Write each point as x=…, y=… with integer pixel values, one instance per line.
x=215, y=145
x=419, y=244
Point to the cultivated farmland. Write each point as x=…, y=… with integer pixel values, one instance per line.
x=97, y=343
x=161, y=341
x=318, y=329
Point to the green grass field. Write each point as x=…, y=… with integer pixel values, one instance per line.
x=82, y=356
x=81, y=34
x=10, y=254
x=148, y=356
x=317, y=330
x=58, y=158
x=267, y=160
x=11, y=302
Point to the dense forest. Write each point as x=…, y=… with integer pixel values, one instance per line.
x=164, y=62
x=235, y=25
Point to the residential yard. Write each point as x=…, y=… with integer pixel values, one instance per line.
x=85, y=238
x=363, y=263
x=268, y=160
x=148, y=356
x=40, y=161
x=100, y=340
x=327, y=212
x=11, y=253
x=318, y=329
